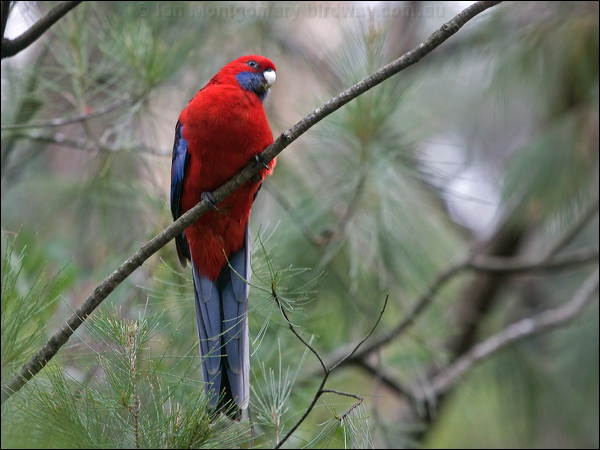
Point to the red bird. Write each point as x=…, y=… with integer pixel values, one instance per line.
x=222, y=128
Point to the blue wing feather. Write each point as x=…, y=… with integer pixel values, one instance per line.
x=178, y=166
x=221, y=306
x=208, y=318
x=235, y=317
x=222, y=317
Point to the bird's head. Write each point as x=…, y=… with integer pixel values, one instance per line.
x=253, y=73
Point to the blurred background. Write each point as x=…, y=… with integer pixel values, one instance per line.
x=488, y=146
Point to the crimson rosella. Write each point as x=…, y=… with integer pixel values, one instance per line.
x=221, y=129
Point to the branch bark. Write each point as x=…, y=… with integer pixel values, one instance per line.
x=6, y=6
x=51, y=347
x=10, y=47
x=512, y=334
x=326, y=370
x=479, y=263
x=483, y=263
x=58, y=122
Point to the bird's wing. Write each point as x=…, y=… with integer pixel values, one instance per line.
x=178, y=167
x=234, y=296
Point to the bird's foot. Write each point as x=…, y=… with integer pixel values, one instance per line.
x=260, y=161
x=208, y=197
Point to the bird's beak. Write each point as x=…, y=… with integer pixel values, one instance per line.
x=269, y=76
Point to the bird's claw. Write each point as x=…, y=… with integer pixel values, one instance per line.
x=208, y=197
x=260, y=161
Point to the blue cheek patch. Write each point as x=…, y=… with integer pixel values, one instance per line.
x=252, y=82
x=248, y=80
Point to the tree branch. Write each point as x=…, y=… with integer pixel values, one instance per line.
x=483, y=263
x=87, y=145
x=420, y=306
x=380, y=374
x=574, y=229
x=326, y=370
x=479, y=263
x=51, y=347
x=73, y=119
x=10, y=47
x=6, y=6
x=512, y=334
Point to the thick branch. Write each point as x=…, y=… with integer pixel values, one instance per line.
x=10, y=47
x=6, y=6
x=431, y=43
x=51, y=347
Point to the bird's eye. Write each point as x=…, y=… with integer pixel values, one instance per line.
x=252, y=63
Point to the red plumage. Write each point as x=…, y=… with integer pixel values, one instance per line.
x=222, y=128
x=225, y=127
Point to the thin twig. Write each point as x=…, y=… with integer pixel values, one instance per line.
x=512, y=334
x=484, y=263
x=326, y=371
x=478, y=264
x=420, y=306
x=293, y=329
x=357, y=346
x=87, y=145
x=51, y=347
x=73, y=119
x=10, y=47
x=345, y=394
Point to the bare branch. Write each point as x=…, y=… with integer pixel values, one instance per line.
x=10, y=47
x=414, y=56
x=87, y=145
x=512, y=334
x=483, y=263
x=73, y=119
x=479, y=296
x=380, y=374
x=326, y=370
x=345, y=394
x=293, y=329
x=420, y=306
x=479, y=263
x=357, y=346
x=574, y=228
x=51, y=347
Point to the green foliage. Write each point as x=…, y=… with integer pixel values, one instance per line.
x=127, y=402
x=28, y=297
x=271, y=393
x=361, y=207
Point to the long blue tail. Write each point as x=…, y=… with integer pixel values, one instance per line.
x=222, y=317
